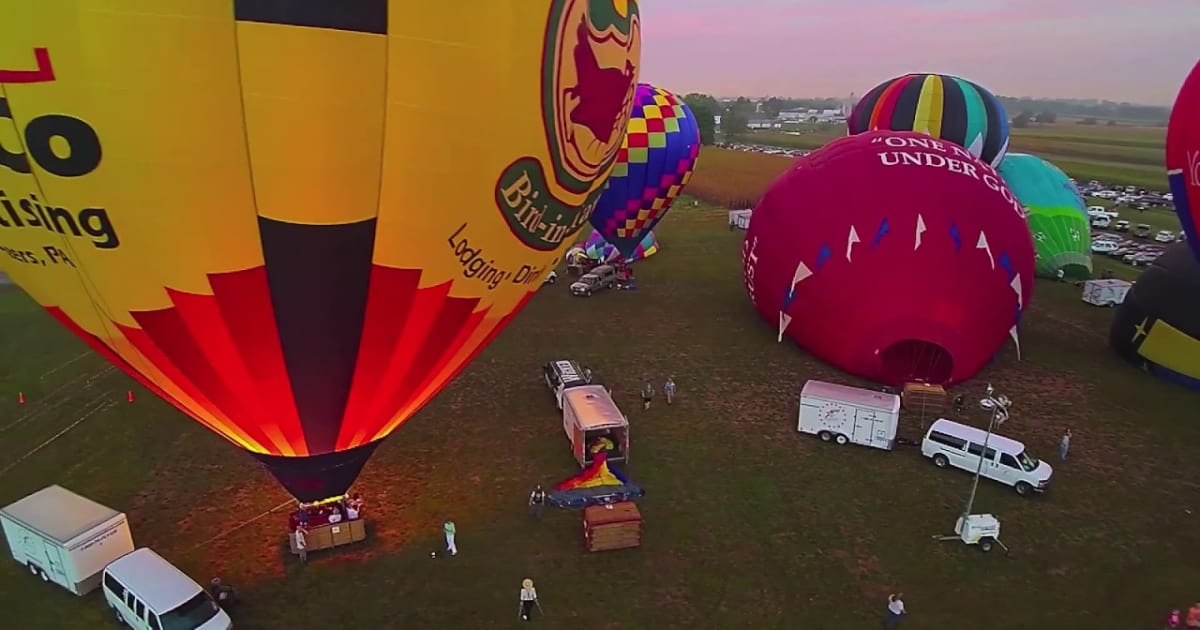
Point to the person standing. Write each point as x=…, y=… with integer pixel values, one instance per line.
x=895, y=610
x=1064, y=444
x=669, y=389
x=647, y=395
x=302, y=543
x=537, y=501
x=529, y=599
x=449, y=529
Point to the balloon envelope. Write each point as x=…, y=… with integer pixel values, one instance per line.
x=261, y=209
x=1056, y=213
x=1183, y=157
x=654, y=164
x=596, y=247
x=1158, y=325
x=893, y=256
x=944, y=106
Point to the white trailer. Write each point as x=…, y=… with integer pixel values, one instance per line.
x=64, y=538
x=1107, y=292
x=589, y=414
x=845, y=414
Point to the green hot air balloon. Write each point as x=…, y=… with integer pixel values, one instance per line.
x=1056, y=213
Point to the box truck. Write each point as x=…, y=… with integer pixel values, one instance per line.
x=590, y=415
x=64, y=538
x=845, y=415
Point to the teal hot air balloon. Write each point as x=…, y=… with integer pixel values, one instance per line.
x=1056, y=214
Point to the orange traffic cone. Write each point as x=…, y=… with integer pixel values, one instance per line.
x=129, y=395
x=20, y=398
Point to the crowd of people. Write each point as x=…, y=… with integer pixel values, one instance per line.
x=345, y=508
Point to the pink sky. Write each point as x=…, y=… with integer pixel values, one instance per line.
x=1123, y=50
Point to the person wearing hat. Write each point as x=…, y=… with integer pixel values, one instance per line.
x=529, y=599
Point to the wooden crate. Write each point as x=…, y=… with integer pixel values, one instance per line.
x=615, y=527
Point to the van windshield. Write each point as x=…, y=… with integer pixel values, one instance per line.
x=1028, y=464
x=190, y=614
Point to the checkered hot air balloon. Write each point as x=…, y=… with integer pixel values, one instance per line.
x=654, y=164
x=597, y=248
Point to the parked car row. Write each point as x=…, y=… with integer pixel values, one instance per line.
x=1126, y=250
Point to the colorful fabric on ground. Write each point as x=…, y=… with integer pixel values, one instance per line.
x=596, y=475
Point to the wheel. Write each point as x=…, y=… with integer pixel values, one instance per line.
x=940, y=461
x=42, y=574
x=825, y=436
x=587, y=293
x=841, y=440
x=120, y=618
x=1023, y=488
x=985, y=545
x=32, y=568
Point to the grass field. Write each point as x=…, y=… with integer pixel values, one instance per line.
x=1118, y=155
x=747, y=523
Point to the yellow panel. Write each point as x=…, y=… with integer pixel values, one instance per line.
x=314, y=119
x=1169, y=347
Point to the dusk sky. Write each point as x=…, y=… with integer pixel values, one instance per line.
x=1116, y=49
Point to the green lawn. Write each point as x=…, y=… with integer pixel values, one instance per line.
x=747, y=523
x=1120, y=154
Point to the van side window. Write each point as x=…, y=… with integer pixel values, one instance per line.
x=130, y=599
x=114, y=587
x=140, y=611
x=1009, y=460
x=947, y=440
x=977, y=449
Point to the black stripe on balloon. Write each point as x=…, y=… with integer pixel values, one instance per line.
x=319, y=477
x=318, y=276
x=993, y=140
x=954, y=116
x=860, y=118
x=907, y=100
x=360, y=16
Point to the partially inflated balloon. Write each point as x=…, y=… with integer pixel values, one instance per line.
x=272, y=214
x=943, y=106
x=1056, y=213
x=1183, y=157
x=654, y=164
x=1157, y=327
x=596, y=247
x=893, y=256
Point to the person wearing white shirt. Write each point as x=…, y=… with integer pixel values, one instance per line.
x=528, y=599
x=895, y=609
x=351, y=512
x=301, y=544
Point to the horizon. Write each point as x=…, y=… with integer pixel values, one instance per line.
x=782, y=47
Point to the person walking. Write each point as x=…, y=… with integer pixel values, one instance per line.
x=302, y=543
x=669, y=389
x=537, y=501
x=647, y=395
x=895, y=610
x=529, y=600
x=449, y=529
x=1064, y=444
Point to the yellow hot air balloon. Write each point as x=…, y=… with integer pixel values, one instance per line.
x=296, y=221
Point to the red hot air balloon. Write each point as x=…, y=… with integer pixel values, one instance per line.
x=1183, y=157
x=893, y=256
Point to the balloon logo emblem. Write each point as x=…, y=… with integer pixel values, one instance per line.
x=589, y=78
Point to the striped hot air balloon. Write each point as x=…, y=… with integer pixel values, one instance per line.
x=946, y=107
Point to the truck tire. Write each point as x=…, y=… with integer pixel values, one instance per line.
x=1023, y=488
x=985, y=544
x=841, y=440
x=33, y=568
x=825, y=436
x=940, y=461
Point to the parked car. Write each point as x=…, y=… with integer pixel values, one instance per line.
x=1144, y=258
x=1122, y=226
x=1164, y=236
x=1103, y=247
x=1143, y=231
x=598, y=279
x=1005, y=460
x=1101, y=221
x=551, y=277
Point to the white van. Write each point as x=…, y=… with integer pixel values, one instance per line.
x=146, y=592
x=1101, y=221
x=949, y=443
